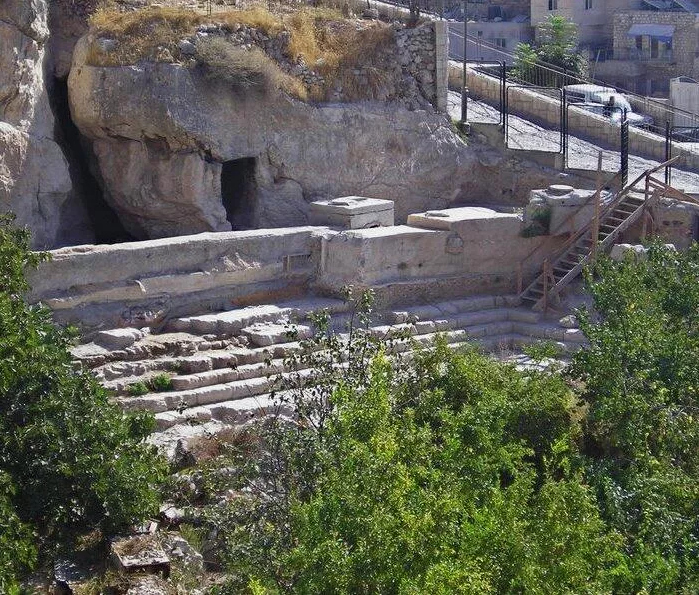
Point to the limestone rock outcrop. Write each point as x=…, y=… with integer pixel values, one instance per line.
x=34, y=175
x=294, y=152
x=161, y=193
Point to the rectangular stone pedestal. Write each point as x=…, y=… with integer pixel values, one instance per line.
x=352, y=212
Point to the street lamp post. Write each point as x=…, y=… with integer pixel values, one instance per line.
x=464, y=88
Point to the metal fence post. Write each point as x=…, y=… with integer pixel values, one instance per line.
x=624, y=150
x=668, y=152
x=564, y=128
x=464, y=88
x=503, y=90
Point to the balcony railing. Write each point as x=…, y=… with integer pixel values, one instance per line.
x=642, y=55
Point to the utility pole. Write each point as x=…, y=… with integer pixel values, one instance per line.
x=464, y=88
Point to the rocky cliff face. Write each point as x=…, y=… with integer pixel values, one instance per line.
x=34, y=176
x=179, y=154
x=175, y=152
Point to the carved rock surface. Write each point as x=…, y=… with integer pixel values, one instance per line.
x=299, y=152
x=158, y=193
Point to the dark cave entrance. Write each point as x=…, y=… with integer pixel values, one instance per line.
x=239, y=192
x=104, y=221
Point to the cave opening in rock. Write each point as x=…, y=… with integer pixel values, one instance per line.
x=104, y=221
x=239, y=192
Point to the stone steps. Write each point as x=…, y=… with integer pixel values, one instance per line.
x=230, y=384
x=224, y=365
x=239, y=410
x=233, y=321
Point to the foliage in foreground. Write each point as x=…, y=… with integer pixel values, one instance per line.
x=445, y=473
x=641, y=380
x=69, y=460
x=453, y=473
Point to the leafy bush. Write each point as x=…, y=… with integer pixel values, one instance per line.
x=72, y=460
x=641, y=377
x=445, y=472
x=17, y=548
x=160, y=383
x=137, y=389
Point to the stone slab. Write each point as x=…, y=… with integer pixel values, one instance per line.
x=468, y=219
x=140, y=553
x=119, y=338
x=265, y=334
x=352, y=205
x=353, y=212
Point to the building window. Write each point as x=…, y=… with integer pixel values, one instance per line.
x=553, y=4
x=588, y=4
x=500, y=42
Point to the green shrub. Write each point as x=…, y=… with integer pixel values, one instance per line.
x=74, y=460
x=160, y=383
x=137, y=389
x=640, y=377
x=17, y=548
x=446, y=473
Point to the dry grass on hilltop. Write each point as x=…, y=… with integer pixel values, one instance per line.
x=321, y=37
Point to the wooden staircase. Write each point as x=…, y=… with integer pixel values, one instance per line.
x=626, y=208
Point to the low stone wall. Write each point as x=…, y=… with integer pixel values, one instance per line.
x=145, y=283
x=483, y=256
x=546, y=110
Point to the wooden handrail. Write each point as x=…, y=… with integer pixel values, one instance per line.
x=567, y=220
x=673, y=192
x=609, y=207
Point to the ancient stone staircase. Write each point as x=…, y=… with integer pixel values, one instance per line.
x=221, y=367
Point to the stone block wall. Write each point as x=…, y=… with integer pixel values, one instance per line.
x=684, y=41
x=142, y=283
x=422, y=53
x=145, y=283
x=404, y=70
x=441, y=47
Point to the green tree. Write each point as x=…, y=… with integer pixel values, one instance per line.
x=70, y=460
x=446, y=473
x=17, y=548
x=641, y=379
x=555, y=50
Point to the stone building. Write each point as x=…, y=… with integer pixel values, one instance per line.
x=649, y=48
x=495, y=29
x=638, y=45
x=591, y=16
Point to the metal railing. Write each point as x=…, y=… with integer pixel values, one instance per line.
x=541, y=74
x=641, y=55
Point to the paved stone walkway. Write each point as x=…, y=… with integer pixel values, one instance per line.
x=582, y=154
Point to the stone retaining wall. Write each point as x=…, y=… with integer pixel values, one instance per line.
x=142, y=283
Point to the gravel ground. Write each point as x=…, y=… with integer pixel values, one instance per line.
x=525, y=135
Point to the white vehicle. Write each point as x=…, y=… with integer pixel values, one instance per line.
x=584, y=93
x=606, y=102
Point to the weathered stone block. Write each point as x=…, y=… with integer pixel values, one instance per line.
x=353, y=212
